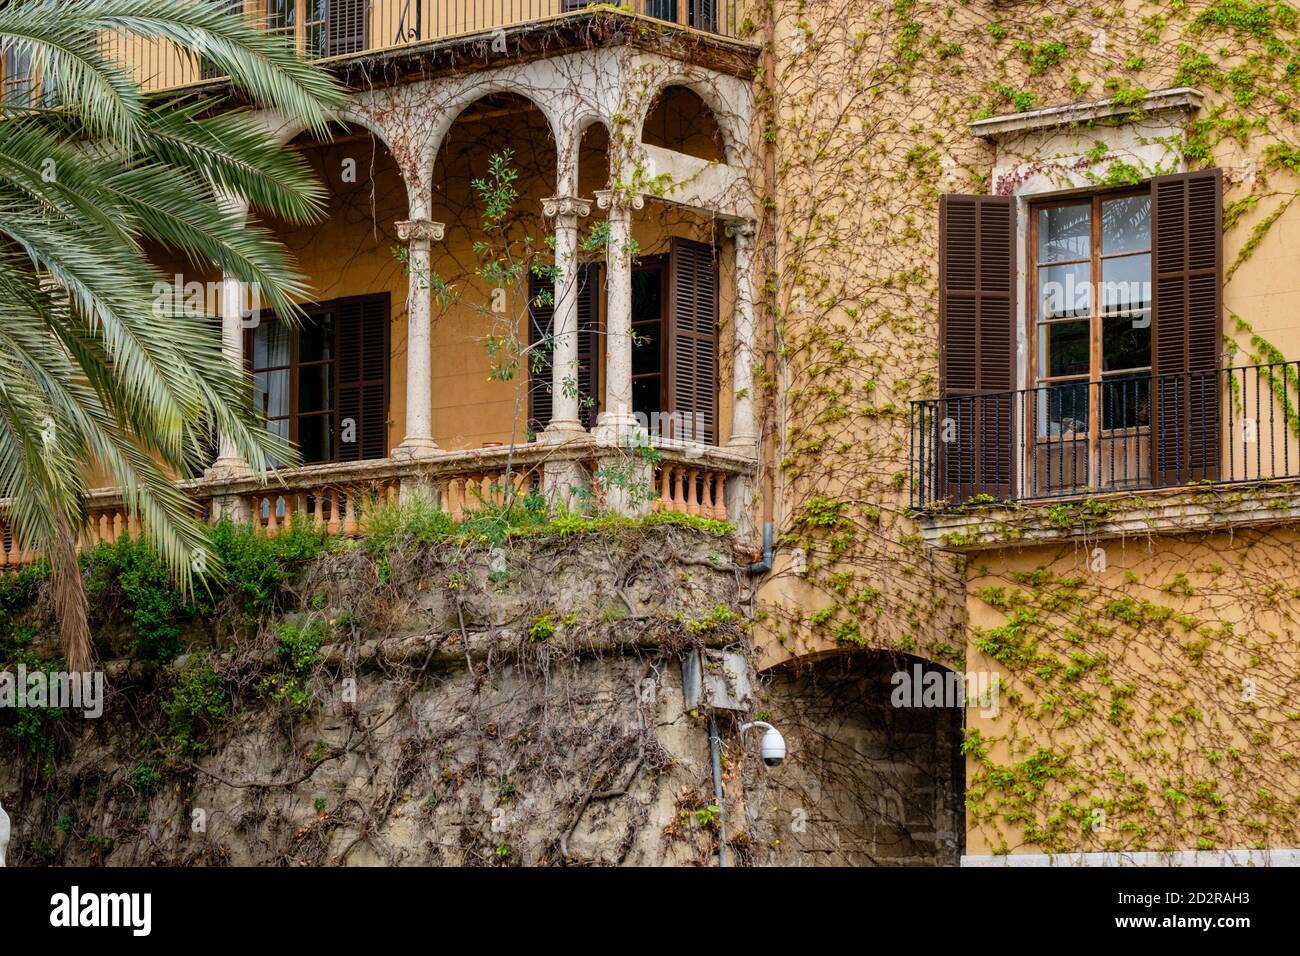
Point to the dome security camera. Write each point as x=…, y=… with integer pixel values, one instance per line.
x=772, y=747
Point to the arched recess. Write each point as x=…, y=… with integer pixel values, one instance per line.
x=406, y=155
x=593, y=158
x=885, y=775
x=473, y=401
x=330, y=383
x=679, y=119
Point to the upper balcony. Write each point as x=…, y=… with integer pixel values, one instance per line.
x=337, y=30
x=1126, y=454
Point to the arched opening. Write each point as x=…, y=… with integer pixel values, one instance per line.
x=327, y=384
x=680, y=120
x=874, y=768
x=485, y=385
x=593, y=159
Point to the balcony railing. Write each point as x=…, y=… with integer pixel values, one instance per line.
x=338, y=497
x=1120, y=434
x=334, y=28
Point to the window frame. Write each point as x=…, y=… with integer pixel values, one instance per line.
x=663, y=262
x=1039, y=383
x=332, y=307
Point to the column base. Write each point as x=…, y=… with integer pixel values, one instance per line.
x=224, y=469
x=560, y=431
x=743, y=442
x=619, y=431
x=415, y=449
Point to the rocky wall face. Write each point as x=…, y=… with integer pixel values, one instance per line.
x=866, y=783
x=473, y=704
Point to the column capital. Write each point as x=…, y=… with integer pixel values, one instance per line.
x=416, y=230
x=565, y=206
x=618, y=200
x=741, y=229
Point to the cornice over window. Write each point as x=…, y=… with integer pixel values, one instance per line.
x=1181, y=99
x=1089, y=145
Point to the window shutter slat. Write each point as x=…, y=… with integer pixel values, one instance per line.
x=362, y=339
x=345, y=26
x=1187, y=315
x=977, y=346
x=541, y=322
x=693, y=340
x=588, y=347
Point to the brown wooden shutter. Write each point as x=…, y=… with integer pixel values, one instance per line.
x=693, y=340
x=977, y=346
x=541, y=323
x=345, y=26
x=588, y=342
x=362, y=336
x=1187, y=315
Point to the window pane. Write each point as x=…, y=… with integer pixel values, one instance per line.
x=316, y=388
x=1125, y=342
x=316, y=438
x=647, y=297
x=1062, y=409
x=1064, y=291
x=270, y=345
x=281, y=428
x=645, y=349
x=645, y=397
x=1065, y=232
x=1126, y=224
x=1126, y=401
x=316, y=339
x=271, y=393
x=1063, y=349
x=1126, y=284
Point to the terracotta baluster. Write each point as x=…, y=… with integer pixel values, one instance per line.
x=720, y=496
x=350, y=521
x=706, y=494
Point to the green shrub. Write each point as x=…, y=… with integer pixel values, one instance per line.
x=198, y=700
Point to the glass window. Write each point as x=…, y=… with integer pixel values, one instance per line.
x=294, y=382
x=1065, y=233
x=647, y=340
x=1092, y=285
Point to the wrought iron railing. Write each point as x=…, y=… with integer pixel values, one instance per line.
x=1123, y=433
x=332, y=28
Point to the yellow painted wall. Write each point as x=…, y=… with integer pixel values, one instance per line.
x=1155, y=680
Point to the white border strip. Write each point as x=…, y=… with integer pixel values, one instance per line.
x=1281, y=857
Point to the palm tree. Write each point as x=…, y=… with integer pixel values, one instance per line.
x=95, y=366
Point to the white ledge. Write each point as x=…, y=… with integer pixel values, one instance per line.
x=1171, y=511
x=1180, y=98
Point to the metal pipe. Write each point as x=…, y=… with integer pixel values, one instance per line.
x=762, y=567
x=715, y=754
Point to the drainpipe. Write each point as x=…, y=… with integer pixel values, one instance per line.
x=715, y=753
x=762, y=567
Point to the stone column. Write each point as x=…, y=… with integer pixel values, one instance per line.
x=744, y=432
x=616, y=422
x=417, y=441
x=565, y=421
x=229, y=464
